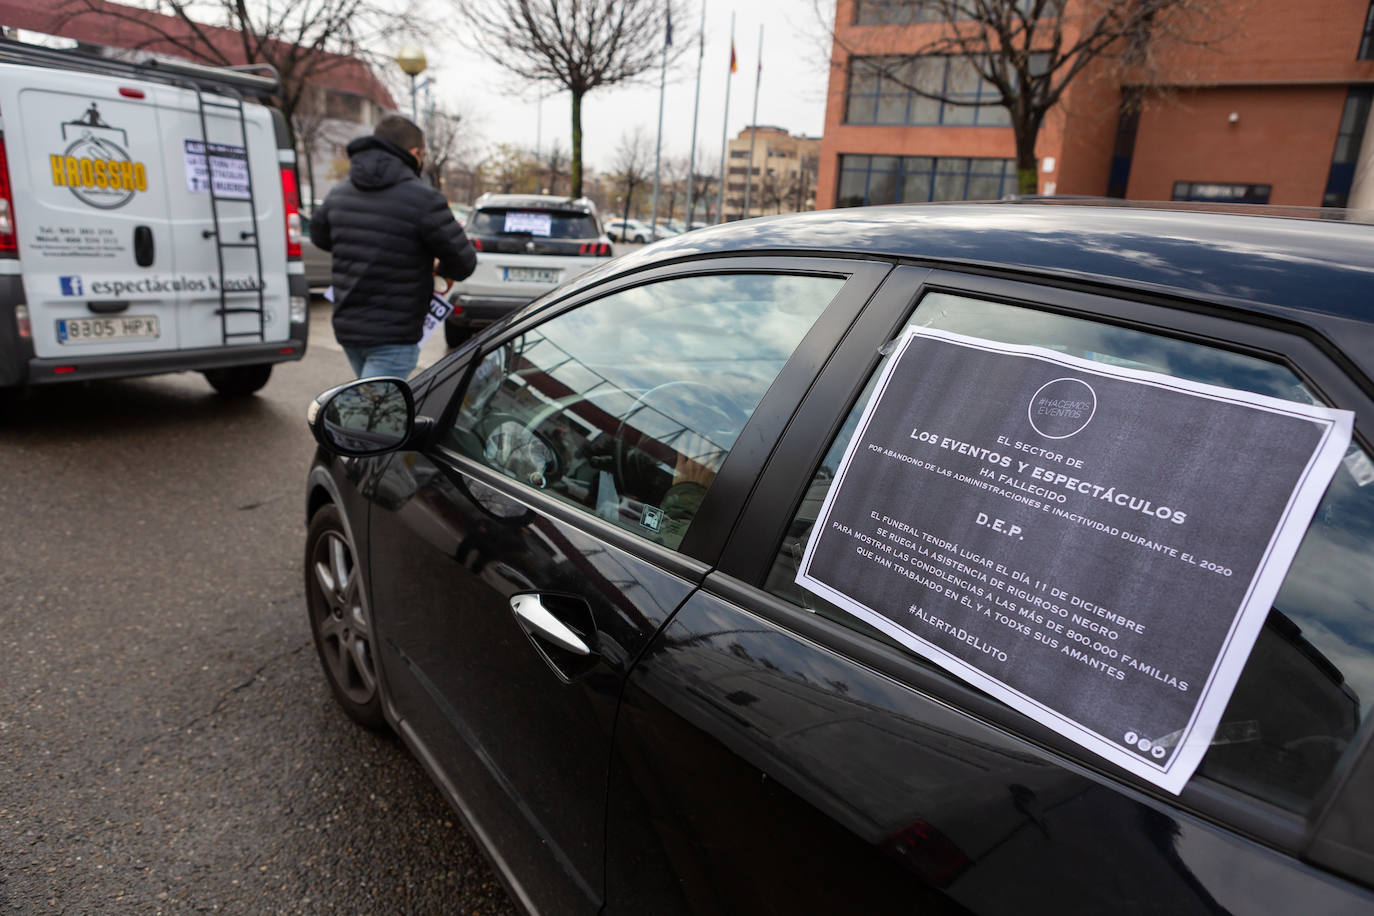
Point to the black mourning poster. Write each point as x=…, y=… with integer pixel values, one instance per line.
x=1096, y=546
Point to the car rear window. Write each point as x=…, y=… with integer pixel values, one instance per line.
x=1305, y=689
x=534, y=221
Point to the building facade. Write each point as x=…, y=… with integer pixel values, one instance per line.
x=1271, y=109
x=779, y=178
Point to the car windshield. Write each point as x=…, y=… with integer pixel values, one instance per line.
x=554, y=224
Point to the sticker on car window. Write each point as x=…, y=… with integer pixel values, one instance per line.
x=529, y=221
x=1095, y=545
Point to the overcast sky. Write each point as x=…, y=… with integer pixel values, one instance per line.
x=792, y=93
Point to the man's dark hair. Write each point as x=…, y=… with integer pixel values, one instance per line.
x=400, y=131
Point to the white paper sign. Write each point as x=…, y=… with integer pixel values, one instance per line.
x=1094, y=545
x=228, y=168
x=531, y=222
x=439, y=310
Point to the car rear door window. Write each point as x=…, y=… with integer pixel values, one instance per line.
x=554, y=224
x=1303, y=694
x=627, y=405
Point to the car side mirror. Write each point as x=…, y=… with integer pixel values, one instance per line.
x=367, y=417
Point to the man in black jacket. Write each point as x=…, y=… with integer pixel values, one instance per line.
x=389, y=233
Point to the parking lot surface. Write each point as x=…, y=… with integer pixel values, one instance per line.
x=167, y=741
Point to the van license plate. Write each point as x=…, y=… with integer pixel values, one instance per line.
x=531, y=275
x=95, y=330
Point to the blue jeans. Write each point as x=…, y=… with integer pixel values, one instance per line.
x=396, y=360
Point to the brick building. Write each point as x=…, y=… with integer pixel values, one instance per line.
x=1273, y=112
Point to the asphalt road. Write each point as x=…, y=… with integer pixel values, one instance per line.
x=167, y=740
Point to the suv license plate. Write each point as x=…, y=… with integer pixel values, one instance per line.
x=95, y=330
x=531, y=274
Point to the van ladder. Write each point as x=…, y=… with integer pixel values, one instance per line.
x=246, y=240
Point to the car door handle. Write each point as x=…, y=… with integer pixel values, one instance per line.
x=537, y=620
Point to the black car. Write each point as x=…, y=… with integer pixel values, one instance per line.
x=859, y=562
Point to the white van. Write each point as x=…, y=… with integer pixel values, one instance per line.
x=148, y=222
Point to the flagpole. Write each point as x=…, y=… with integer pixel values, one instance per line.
x=658, y=147
x=725, y=125
x=754, y=128
x=696, y=105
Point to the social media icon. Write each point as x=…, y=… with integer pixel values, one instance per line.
x=1157, y=752
x=71, y=286
x=1132, y=738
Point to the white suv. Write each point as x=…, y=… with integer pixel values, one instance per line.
x=526, y=245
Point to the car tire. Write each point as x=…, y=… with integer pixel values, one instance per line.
x=640, y=239
x=455, y=335
x=239, y=381
x=339, y=620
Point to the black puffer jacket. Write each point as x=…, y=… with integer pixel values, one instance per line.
x=385, y=227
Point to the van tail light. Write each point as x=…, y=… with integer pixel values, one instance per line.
x=595, y=249
x=21, y=321
x=291, y=204
x=8, y=240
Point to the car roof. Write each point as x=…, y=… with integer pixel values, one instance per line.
x=1317, y=272
x=533, y=202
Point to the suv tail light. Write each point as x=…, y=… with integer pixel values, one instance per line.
x=477, y=244
x=595, y=249
x=8, y=239
x=291, y=205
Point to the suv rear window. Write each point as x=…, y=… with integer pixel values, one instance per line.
x=561, y=224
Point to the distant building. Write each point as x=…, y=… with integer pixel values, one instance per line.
x=1275, y=113
x=781, y=177
x=343, y=98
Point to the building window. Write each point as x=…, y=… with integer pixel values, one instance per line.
x=882, y=90
x=868, y=180
x=895, y=12
x=345, y=106
x=739, y=154
x=1367, y=41
x=1214, y=192
x=910, y=12
x=1349, y=138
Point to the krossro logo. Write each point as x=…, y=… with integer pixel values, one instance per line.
x=1062, y=408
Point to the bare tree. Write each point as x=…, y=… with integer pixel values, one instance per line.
x=631, y=165
x=704, y=186
x=302, y=39
x=445, y=139
x=773, y=189
x=1024, y=53
x=555, y=167
x=513, y=170
x=309, y=124
x=580, y=45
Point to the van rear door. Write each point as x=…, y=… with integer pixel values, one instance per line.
x=230, y=166
x=93, y=220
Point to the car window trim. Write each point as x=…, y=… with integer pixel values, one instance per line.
x=726, y=497
x=752, y=547
x=541, y=502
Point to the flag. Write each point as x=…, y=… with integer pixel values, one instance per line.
x=734, y=64
x=670, y=28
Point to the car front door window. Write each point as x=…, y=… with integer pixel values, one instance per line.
x=626, y=406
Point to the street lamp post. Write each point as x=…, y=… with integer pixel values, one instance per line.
x=411, y=59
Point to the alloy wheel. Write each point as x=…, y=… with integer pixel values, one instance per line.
x=345, y=638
